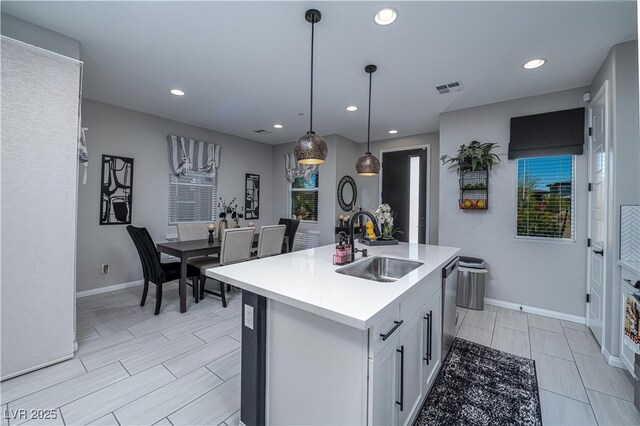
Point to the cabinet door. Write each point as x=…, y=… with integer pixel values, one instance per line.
x=411, y=388
x=432, y=343
x=384, y=385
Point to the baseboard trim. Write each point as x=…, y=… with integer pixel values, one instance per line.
x=613, y=361
x=107, y=289
x=534, y=310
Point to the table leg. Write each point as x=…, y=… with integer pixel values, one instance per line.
x=183, y=284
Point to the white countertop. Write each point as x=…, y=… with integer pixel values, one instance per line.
x=307, y=280
x=632, y=266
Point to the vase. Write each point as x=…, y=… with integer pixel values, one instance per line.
x=222, y=225
x=210, y=236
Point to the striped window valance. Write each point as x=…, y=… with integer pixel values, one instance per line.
x=294, y=170
x=190, y=155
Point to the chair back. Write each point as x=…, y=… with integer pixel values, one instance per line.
x=192, y=231
x=151, y=268
x=271, y=238
x=292, y=228
x=236, y=245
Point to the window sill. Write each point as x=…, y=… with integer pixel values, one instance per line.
x=545, y=240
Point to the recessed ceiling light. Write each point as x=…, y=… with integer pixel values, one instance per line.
x=393, y=132
x=352, y=108
x=278, y=126
x=535, y=63
x=386, y=16
x=177, y=92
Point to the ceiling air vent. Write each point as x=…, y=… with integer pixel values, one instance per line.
x=260, y=131
x=456, y=86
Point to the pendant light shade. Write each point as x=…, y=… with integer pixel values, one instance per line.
x=368, y=164
x=311, y=148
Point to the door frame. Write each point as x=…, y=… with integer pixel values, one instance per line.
x=427, y=177
x=603, y=91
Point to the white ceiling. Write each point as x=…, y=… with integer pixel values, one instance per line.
x=245, y=66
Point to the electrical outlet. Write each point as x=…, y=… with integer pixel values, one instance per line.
x=105, y=268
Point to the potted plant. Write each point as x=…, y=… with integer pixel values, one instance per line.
x=385, y=216
x=472, y=157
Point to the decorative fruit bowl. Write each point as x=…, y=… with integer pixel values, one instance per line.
x=471, y=204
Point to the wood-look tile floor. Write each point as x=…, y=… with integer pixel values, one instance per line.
x=576, y=385
x=134, y=368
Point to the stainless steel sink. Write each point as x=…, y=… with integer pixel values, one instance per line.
x=380, y=268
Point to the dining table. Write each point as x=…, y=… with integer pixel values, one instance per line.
x=185, y=250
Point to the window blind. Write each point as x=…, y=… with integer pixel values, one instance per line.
x=546, y=197
x=192, y=198
x=303, y=198
x=550, y=134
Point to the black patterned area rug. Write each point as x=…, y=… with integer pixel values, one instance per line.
x=478, y=385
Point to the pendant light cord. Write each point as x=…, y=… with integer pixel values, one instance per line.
x=369, y=119
x=311, y=103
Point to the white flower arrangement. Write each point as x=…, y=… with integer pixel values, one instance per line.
x=384, y=216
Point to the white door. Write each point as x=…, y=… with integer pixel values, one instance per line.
x=384, y=385
x=597, y=211
x=411, y=344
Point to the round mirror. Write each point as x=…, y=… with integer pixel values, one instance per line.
x=347, y=193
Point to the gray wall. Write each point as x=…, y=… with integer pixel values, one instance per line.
x=118, y=131
x=38, y=36
x=547, y=275
x=371, y=185
x=621, y=70
x=39, y=158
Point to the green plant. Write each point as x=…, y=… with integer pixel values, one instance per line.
x=475, y=156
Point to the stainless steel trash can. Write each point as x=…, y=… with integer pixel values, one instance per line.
x=471, y=278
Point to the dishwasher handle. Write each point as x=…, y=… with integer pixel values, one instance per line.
x=448, y=270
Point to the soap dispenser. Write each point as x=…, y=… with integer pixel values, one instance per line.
x=341, y=253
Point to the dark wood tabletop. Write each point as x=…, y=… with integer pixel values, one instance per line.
x=184, y=250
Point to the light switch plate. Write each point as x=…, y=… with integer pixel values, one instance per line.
x=248, y=316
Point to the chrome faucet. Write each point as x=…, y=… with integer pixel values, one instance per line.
x=351, y=226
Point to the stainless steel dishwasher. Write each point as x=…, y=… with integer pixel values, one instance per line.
x=449, y=315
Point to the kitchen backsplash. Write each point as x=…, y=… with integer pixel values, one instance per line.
x=630, y=232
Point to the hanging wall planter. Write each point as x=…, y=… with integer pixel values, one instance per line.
x=473, y=163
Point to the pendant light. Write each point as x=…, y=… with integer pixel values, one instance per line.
x=311, y=148
x=368, y=164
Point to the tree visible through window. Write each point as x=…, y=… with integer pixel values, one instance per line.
x=304, y=198
x=546, y=197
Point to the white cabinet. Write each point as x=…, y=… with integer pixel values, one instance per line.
x=384, y=384
x=402, y=372
x=411, y=347
x=432, y=314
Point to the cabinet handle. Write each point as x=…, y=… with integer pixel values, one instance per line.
x=401, y=402
x=457, y=314
x=390, y=332
x=430, y=334
x=600, y=252
x=426, y=354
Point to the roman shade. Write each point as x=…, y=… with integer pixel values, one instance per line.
x=294, y=170
x=191, y=155
x=548, y=134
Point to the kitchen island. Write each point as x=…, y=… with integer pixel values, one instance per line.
x=321, y=347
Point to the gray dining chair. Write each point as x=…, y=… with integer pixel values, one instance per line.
x=235, y=247
x=271, y=240
x=188, y=231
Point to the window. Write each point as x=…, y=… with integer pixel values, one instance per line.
x=546, y=198
x=303, y=198
x=192, y=198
